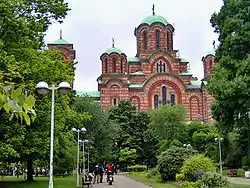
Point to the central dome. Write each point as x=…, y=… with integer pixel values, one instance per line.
x=153, y=19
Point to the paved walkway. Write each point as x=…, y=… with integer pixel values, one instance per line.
x=121, y=182
x=242, y=181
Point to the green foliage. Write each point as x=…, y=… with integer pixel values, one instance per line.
x=137, y=168
x=230, y=82
x=171, y=161
x=211, y=179
x=189, y=185
x=127, y=156
x=167, y=122
x=134, y=132
x=240, y=172
x=17, y=103
x=195, y=163
x=179, y=177
x=245, y=162
x=153, y=172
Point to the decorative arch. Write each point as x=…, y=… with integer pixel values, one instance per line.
x=111, y=82
x=194, y=107
x=136, y=100
x=161, y=82
x=153, y=65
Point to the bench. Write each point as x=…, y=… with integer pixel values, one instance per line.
x=87, y=182
x=232, y=172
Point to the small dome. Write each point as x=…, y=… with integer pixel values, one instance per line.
x=113, y=50
x=60, y=41
x=153, y=19
x=211, y=52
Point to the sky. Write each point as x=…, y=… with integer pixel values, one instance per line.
x=90, y=26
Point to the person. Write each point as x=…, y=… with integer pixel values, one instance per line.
x=96, y=174
x=109, y=170
x=101, y=171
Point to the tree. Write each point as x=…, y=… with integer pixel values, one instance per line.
x=230, y=81
x=167, y=122
x=171, y=161
x=127, y=156
x=101, y=131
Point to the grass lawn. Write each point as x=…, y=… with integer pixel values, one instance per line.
x=141, y=177
x=40, y=182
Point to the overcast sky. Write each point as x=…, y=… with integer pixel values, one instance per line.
x=90, y=26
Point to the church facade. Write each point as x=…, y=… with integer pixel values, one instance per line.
x=156, y=76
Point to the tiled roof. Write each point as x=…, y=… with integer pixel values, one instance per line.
x=136, y=86
x=93, y=94
x=137, y=73
x=133, y=59
x=185, y=74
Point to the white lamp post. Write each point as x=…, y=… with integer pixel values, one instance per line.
x=83, y=157
x=43, y=88
x=220, y=140
x=77, y=161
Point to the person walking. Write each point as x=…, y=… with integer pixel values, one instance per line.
x=96, y=174
x=101, y=171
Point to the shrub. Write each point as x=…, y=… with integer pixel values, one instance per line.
x=152, y=173
x=198, y=175
x=170, y=161
x=179, y=177
x=189, y=185
x=194, y=165
x=137, y=168
x=241, y=172
x=213, y=180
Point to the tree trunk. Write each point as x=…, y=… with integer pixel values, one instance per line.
x=30, y=169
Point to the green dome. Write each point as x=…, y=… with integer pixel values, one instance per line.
x=153, y=19
x=60, y=41
x=211, y=52
x=112, y=50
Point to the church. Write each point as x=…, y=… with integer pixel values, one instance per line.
x=156, y=76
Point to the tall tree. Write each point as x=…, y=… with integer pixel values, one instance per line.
x=168, y=122
x=230, y=82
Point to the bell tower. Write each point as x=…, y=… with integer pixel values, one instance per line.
x=65, y=48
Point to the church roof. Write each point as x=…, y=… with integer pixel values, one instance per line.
x=211, y=52
x=60, y=41
x=94, y=94
x=113, y=50
x=133, y=59
x=154, y=19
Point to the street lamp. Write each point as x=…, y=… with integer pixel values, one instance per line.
x=43, y=88
x=220, y=140
x=77, y=161
x=187, y=145
x=83, y=157
x=88, y=156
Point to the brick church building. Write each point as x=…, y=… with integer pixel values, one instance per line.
x=156, y=76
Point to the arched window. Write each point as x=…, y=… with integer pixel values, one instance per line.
x=160, y=67
x=114, y=65
x=121, y=66
x=156, y=101
x=157, y=39
x=168, y=40
x=115, y=102
x=164, y=95
x=172, y=99
x=106, y=65
x=210, y=63
x=145, y=40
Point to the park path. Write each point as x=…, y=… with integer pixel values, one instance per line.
x=242, y=181
x=121, y=182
